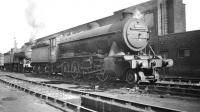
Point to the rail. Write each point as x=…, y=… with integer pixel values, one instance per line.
x=105, y=98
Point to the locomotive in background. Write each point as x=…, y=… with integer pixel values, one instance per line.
x=118, y=50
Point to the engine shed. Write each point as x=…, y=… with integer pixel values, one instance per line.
x=184, y=49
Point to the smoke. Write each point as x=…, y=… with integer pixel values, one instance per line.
x=137, y=14
x=31, y=19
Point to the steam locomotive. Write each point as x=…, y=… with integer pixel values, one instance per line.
x=18, y=60
x=117, y=50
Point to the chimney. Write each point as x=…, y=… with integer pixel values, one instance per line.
x=127, y=14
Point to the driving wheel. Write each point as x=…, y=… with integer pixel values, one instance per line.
x=131, y=77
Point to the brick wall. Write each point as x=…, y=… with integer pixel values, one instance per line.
x=174, y=43
x=179, y=16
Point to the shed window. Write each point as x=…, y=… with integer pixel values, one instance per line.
x=164, y=54
x=184, y=52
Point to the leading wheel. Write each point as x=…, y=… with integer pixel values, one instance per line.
x=131, y=77
x=103, y=76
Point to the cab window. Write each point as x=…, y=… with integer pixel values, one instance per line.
x=184, y=52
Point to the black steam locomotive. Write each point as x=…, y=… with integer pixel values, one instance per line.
x=118, y=50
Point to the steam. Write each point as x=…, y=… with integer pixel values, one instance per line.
x=32, y=21
x=137, y=14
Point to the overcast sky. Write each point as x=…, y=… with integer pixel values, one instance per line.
x=25, y=18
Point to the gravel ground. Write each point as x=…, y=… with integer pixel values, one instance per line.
x=12, y=100
x=181, y=103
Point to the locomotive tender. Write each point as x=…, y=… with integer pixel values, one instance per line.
x=116, y=50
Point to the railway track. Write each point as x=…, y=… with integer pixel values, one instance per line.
x=54, y=97
x=169, y=88
x=160, y=88
x=109, y=104
x=181, y=80
x=172, y=89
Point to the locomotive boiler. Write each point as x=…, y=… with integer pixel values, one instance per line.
x=116, y=50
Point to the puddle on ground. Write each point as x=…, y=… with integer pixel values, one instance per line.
x=9, y=99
